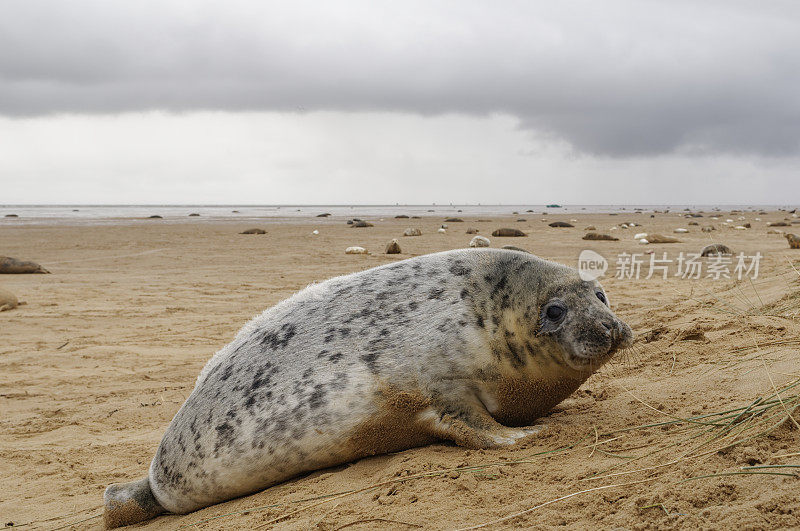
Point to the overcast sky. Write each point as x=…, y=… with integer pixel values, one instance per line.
x=411, y=102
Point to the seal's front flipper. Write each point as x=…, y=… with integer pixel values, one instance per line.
x=466, y=422
x=129, y=503
x=472, y=431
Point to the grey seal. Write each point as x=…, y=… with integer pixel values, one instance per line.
x=599, y=237
x=8, y=301
x=715, y=249
x=506, y=232
x=469, y=346
x=10, y=265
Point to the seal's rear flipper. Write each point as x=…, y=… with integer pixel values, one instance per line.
x=129, y=503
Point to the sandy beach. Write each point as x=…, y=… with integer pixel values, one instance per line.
x=108, y=346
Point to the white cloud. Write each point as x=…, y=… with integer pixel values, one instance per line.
x=351, y=158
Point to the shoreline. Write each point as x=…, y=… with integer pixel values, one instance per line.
x=40, y=215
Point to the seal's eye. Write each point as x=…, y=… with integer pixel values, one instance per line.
x=602, y=297
x=555, y=312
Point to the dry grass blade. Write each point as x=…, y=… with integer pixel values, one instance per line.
x=64, y=516
x=383, y=520
x=793, y=454
x=596, y=439
x=550, y=502
x=72, y=524
x=234, y=513
x=740, y=473
x=772, y=382
x=769, y=466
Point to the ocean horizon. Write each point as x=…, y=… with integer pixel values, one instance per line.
x=78, y=214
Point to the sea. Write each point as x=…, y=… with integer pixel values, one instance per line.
x=128, y=214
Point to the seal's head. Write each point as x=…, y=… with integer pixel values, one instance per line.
x=576, y=316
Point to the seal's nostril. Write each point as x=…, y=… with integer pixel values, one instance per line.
x=609, y=326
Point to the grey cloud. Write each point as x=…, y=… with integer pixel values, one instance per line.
x=611, y=78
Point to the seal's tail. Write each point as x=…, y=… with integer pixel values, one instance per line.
x=129, y=503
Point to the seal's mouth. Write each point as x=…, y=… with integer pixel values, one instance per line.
x=621, y=338
x=618, y=336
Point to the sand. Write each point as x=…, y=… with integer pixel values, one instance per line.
x=93, y=368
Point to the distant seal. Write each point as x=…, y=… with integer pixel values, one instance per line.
x=8, y=301
x=506, y=232
x=479, y=241
x=715, y=249
x=465, y=345
x=393, y=247
x=355, y=250
x=658, y=238
x=599, y=237
x=12, y=266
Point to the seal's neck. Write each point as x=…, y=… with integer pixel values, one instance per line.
x=531, y=377
x=519, y=399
